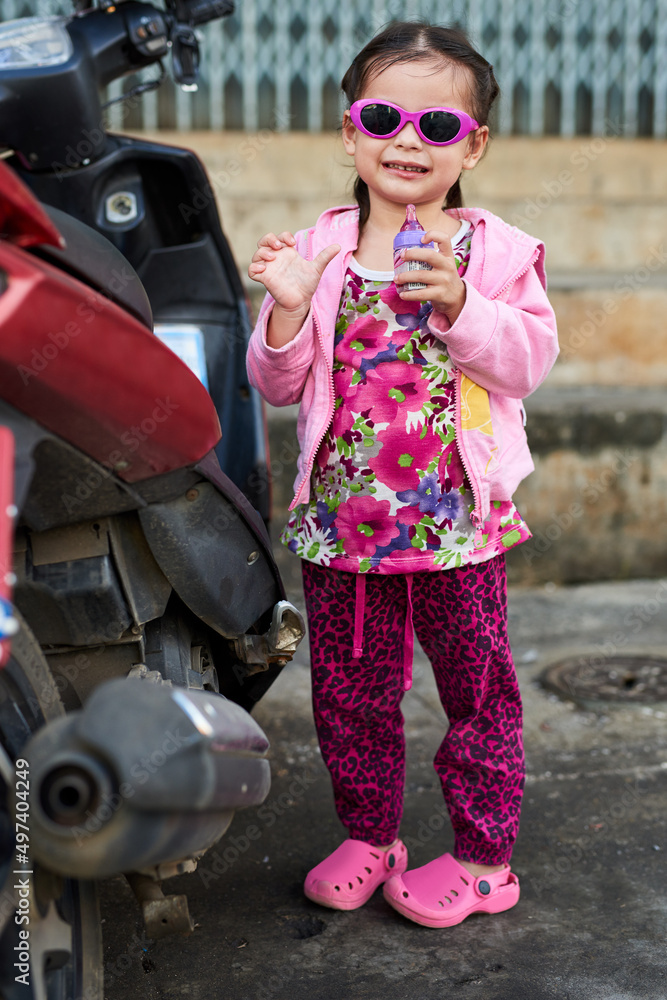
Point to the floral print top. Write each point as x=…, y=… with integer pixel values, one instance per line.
x=390, y=494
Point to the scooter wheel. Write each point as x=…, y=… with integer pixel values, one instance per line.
x=61, y=915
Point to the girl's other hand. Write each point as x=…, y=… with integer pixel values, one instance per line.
x=444, y=287
x=286, y=275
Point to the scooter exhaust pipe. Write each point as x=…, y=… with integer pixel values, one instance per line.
x=143, y=775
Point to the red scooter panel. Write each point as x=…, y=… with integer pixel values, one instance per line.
x=81, y=366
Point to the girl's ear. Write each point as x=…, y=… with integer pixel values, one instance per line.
x=477, y=141
x=349, y=134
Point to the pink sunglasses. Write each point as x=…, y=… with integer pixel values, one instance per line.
x=437, y=126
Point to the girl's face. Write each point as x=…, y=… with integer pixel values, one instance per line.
x=405, y=168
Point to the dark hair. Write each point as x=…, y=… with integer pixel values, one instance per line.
x=410, y=41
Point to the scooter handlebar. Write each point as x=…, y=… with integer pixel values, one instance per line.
x=194, y=12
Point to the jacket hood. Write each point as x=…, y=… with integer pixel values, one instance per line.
x=503, y=244
x=336, y=225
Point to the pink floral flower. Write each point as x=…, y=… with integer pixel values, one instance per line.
x=341, y=427
x=399, y=306
x=391, y=386
x=403, y=455
x=365, y=524
x=342, y=422
x=409, y=515
x=363, y=338
x=450, y=468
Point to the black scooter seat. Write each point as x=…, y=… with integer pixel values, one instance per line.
x=93, y=259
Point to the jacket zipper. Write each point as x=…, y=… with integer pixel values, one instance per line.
x=332, y=398
x=476, y=515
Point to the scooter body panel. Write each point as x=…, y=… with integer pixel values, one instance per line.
x=82, y=367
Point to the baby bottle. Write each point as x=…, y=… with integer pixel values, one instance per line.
x=410, y=235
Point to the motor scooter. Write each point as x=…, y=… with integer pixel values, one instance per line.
x=147, y=615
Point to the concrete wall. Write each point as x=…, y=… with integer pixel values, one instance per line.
x=597, y=501
x=598, y=428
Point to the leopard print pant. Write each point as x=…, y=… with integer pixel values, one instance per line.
x=460, y=618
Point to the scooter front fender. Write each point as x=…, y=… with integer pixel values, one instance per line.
x=213, y=549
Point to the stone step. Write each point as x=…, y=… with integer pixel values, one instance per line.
x=598, y=497
x=611, y=327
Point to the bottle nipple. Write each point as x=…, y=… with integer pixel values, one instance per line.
x=411, y=221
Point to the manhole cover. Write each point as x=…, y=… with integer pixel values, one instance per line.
x=626, y=680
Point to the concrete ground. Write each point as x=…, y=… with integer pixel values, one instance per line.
x=590, y=856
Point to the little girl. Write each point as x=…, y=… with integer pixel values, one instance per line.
x=411, y=430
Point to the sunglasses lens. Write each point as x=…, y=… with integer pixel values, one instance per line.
x=380, y=119
x=439, y=126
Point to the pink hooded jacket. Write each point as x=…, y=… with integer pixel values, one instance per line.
x=503, y=345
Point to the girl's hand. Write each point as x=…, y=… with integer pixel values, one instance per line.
x=444, y=287
x=286, y=275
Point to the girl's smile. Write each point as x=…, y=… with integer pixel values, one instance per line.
x=406, y=168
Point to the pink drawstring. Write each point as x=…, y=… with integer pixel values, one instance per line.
x=409, y=637
x=359, y=609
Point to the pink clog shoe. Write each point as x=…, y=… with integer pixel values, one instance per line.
x=443, y=892
x=349, y=877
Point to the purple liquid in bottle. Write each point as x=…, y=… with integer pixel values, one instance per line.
x=410, y=235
